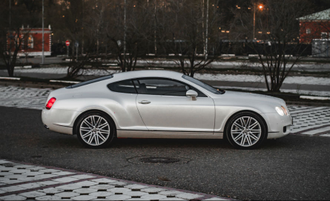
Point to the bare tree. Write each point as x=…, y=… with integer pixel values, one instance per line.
x=15, y=41
x=128, y=31
x=11, y=35
x=75, y=25
x=183, y=31
x=275, y=52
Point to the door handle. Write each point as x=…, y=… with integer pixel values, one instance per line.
x=144, y=102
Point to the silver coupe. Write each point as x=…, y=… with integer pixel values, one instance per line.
x=163, y=104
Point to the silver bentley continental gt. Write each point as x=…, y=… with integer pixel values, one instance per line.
x=163, y=104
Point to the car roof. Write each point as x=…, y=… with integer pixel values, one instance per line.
x=147, y=73
x=130, y=75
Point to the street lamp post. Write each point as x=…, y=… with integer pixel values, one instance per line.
x=254, y=18
x=254, y=21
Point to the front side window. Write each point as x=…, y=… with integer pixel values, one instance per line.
x=166, y=87
x=203, y=85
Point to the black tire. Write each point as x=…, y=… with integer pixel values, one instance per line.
x=246, y=130
x=95, y=129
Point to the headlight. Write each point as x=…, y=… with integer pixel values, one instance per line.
x=281, y=111
x=286, y=112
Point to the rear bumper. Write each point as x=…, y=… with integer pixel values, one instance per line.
x=58, y=120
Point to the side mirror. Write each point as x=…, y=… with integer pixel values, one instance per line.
x=191, y=93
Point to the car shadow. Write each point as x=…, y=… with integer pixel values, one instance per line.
x=55, y=140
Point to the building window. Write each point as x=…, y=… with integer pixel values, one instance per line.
x=18, y=40
x=324, y=35
x=30, y=42
x=308, y=31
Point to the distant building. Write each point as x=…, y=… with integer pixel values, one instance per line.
x=32, y=41
x=314, y=26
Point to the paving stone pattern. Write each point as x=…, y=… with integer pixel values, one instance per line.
x=307, y=120
x=23, y=97
x=29, y=182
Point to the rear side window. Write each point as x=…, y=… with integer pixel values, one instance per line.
x=125, y=86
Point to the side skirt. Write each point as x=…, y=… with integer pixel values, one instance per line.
x=168, y=134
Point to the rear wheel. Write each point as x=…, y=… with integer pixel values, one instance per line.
x=246, y=130
x=95, y=130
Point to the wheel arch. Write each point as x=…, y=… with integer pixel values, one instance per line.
x=242, y=111
x=74, y=131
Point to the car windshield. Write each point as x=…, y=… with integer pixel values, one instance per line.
x=204, y=85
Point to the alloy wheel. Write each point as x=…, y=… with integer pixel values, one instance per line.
x=246, y=131
x=94, y=130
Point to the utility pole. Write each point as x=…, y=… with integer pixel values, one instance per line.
x=9, y=15
x=254, y=21
x=7, y=47
x=125, y=28
x=203, y=6
x=207, y=29
x=155, y=31
x=43, y=33
x=83, y=30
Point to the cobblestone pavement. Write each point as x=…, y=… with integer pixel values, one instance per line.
x=23, y=97
x=307, y=120
x=30, y=182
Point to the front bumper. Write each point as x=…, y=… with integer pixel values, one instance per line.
x=278, y=126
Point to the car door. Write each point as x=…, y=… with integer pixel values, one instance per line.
x=164, y=106
x=122, y=103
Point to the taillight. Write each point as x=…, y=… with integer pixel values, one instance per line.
x=50, y=103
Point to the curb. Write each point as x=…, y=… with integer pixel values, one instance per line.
x=314, y=97
x=64, y=81
x=10, y=78
x=51, y=81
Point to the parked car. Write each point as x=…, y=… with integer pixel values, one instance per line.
x=163, y=104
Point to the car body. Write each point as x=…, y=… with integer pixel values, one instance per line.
x=163, y=104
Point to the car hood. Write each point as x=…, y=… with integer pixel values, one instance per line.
x=248, y=100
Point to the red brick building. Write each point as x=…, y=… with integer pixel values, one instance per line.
x=315, y=26
x=32, y=41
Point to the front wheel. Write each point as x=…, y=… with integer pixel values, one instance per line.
x=95, y=130
x=246, y=130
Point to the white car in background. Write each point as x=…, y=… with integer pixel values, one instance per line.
x=163, y=104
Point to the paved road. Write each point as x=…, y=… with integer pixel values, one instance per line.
x=293, y=167
x=208, y=166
